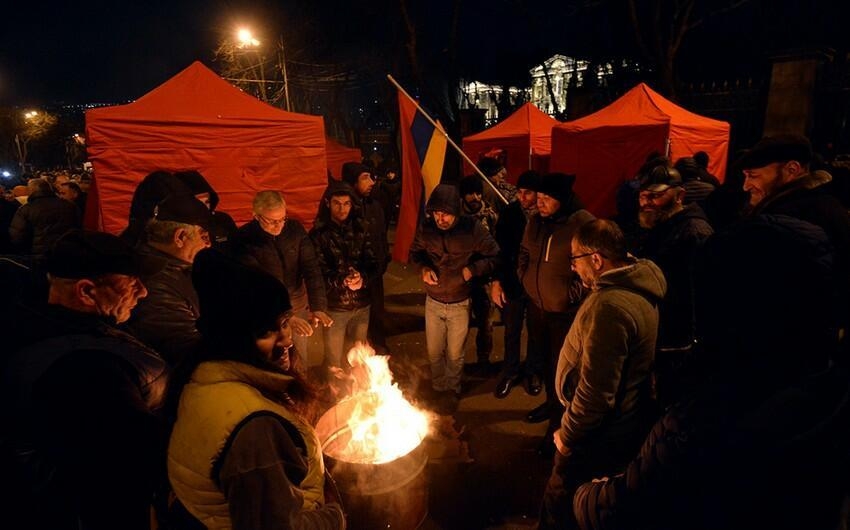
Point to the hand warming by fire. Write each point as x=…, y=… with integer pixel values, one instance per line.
x=382, y=425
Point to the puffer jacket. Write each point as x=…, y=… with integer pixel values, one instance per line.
x=166, y=318
x=41, y=221
x=290, y=257
x=340, y=248
x=544, y=259
x=604, y=366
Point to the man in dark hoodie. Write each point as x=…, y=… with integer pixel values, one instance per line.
x=222, y=226
x=553, y=288
x=451, y=250
x=674, y=233
x=360, y=178
x=349, y=267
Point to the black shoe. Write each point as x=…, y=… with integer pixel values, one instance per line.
x=538, y=414
x=533, y=385
x=503, y=387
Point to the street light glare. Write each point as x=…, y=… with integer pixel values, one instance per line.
x=246, y=38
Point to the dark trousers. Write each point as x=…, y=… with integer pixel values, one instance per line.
x=482, y=320
x=376, y=335
x=550, y=329
x=513, y=316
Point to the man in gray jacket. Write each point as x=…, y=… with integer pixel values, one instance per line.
x=603, y=374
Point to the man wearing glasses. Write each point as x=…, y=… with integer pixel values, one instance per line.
x=280, y=246
x=675, y=232
x=603, y=374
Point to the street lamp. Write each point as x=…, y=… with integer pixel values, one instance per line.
x=246, y=39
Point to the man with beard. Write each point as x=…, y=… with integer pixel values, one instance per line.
x=507, y=292
x=474, y=206
x=675, y=232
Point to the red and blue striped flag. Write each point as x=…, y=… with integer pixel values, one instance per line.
x=423, y=155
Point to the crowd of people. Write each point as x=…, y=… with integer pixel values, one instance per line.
x=693, y=351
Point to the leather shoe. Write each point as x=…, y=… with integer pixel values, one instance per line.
x=538, y=414
x=533, y=385
x=503, y=387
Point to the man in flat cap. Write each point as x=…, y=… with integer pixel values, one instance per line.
x=779, y=177
x=80, y=438
x=166, y=319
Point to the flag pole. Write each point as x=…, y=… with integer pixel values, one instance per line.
x=451, y=142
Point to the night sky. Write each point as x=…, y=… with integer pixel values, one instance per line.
x=80, y=52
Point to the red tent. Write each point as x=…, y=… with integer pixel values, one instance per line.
x=338, y=155
x=196, y=120
x=608, y=147
x=524, y=136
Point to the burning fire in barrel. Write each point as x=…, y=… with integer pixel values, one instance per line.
x=372, y=442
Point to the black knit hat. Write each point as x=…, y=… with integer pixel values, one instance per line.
x=236, y=302
x=529, y=180
x=351, y=171
x=490, y=166
x=470, y=184
x=559, y=186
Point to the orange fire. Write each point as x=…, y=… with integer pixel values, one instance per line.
x=383, y=424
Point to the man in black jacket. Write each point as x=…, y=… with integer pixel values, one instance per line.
x=451, y=250
x=42, y=220
x=166, y=320
x=80, y=438
x=349, y=267
x=279, y=245
x=222, y=227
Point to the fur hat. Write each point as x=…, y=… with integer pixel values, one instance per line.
x=490, y=166
x=528, y=180
x=559, y=186
x=470, y=184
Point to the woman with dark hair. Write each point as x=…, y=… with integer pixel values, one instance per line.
x=243, y=453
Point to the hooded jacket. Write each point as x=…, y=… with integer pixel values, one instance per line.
x=544, y=258
x=41, y=221
x=222, y=226
x=465, y=244
x=604, y=366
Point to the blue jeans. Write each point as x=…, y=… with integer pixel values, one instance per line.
x=348, y=328
x=446, y=326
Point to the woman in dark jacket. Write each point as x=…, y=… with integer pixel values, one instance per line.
x=243, y=453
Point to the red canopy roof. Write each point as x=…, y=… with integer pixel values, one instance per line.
x=608, y=147
x=196, y=120
x=338, y=155
x=527, y=133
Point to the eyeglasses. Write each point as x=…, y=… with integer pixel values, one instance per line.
x=579, y=256
x=653, y=195
x=273, y=222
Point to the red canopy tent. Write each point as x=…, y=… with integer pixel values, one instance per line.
x=525, y=137
x=338, y=155
x=197, y=120
x=608, y=147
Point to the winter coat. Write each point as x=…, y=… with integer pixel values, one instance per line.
x=340, y=248
x=166, y=318
x=544, y=260
x=290, y=257
x=465, y=244
x=41, y=221
x=672, y=245
x=82, y=442
x=508, y=234
x=604, y=366
x=375, y=220
x=223, y=402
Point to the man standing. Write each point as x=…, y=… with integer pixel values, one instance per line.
x=42, y=220
x=554, y=290
x=166, y=319
x=507, y=292
x=222, y=227
x=348, y=266
x=474, y=206
x=497, y=174
x=280, y=246
x=451, y=250
x=675, y=233
x=359, y=177
x=81, y=440
x=603, y=376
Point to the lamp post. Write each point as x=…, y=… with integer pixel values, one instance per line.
x=246, y=41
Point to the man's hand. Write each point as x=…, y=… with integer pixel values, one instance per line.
x=354, y=281
x=563, y=449
x=300, y=327
x=429, y=276
x=467, y=274
x=320, y=317
x=497, y=294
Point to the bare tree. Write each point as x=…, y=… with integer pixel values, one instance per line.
x=31, y=125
